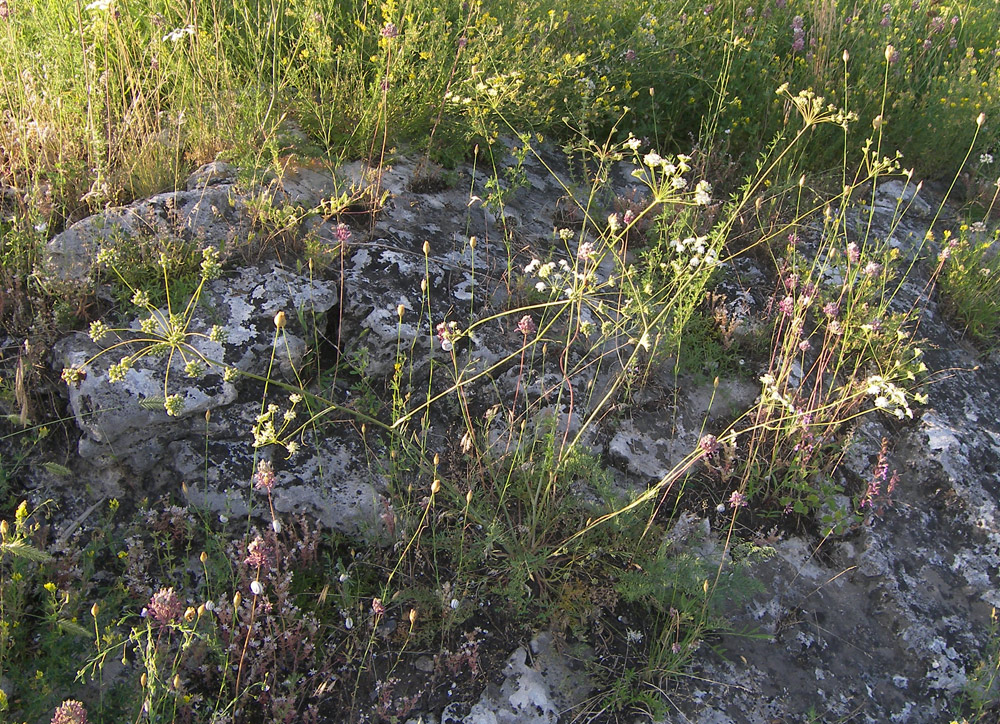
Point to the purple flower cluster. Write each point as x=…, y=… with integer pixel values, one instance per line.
x=70, y=712
x=165, y=606
x=798, y=34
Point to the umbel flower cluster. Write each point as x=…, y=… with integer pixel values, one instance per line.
x=160, y=332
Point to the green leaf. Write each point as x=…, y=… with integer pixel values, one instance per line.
x=152, y=403
x=57, y=469
x=73, y=627
x=23, y=550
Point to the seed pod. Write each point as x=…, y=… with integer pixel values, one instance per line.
x=280, y=320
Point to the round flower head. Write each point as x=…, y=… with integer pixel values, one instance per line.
x=70, y=711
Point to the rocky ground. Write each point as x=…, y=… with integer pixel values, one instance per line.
x=881, y=623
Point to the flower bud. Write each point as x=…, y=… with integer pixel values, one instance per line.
x=427, y=248
x=190, y=613
x=468, y=497
x=94, y=610
x=237, y=599
x=280, y=320
x=177, y=681
x=846, y=55
x=203, y=557
x=143, y=679
x=413, y=616
x=472, y=243
x=4, y=528
x=201, y=610
x=980, y=119
x=889, y=50
x=400, y=310
x=435, y=486
x=437, y=459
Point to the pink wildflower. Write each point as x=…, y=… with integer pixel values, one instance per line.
x=737, y=500
x=70, y=712
x=527, y=325
x=709, y=445
x=165, y=606
x=258, y=554
x=263, y=479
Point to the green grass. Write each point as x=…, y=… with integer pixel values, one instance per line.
x=109, y=101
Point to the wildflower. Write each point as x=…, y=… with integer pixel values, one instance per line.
x=629, y=55
x=804, y=345
x=177, y=34
x=872, y=268
x=702, y=193
x=831, y=309
x=444, y=334
x=99, y=6
x=633, y=143
x=633, y=636
x=709, y=445
x=737, y=500
x=390, y=31
x=165, y=606
x=70, y=711
x=613, y=222
x=675, y=647
x=174, y=405
x=527, y=325
x=98, y=330
x=73, y=375
x=280, y=320
x=378, y=607
x=853, y=253
x=653, y=159
x=986, y=159
x=585, y=252
x=258, y=554
x=786, y=306
x=343, y=233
